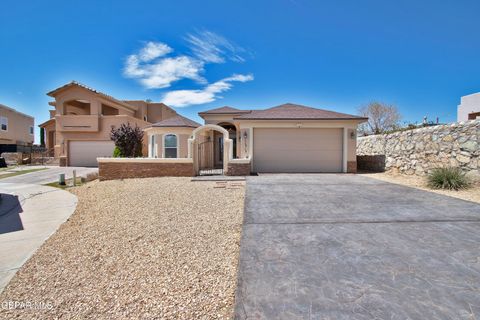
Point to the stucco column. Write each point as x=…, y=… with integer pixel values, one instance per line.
x=95, y=107
x=345, y=149
x=227, y=153
x=190, y=147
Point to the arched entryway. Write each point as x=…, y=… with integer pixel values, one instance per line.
x=211, y=149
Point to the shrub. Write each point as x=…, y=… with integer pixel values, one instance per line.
x=116, y=152
x=128, y=140
x=450, y=178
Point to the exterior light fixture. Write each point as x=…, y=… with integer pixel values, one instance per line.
x=352, y=135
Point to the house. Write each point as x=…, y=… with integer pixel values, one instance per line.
x=78, y=130
x=16, y=130
x=285, y=138
x=469, y=108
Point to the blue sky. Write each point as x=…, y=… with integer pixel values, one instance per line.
x=419, y=55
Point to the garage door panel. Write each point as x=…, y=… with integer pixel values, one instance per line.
x=298, y=150
x=85, y=153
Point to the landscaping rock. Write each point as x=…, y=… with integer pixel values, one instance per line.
x=156, y=248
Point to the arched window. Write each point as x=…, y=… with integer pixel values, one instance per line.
x=151, y=147
x=170, y=146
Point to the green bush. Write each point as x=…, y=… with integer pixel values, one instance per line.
x=450, y=178
x=117, y=153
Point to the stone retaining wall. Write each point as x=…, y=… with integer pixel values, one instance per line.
x=420, y=150
x=124, y=168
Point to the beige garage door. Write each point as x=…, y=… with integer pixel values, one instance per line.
x=85, y=153
x=297, y=150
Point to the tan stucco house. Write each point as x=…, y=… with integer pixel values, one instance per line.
x=16, y=129
x=78, y=130
x=285, y=138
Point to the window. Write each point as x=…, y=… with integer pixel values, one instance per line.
x=4, y=123
x=31, y=130
x=170, y=146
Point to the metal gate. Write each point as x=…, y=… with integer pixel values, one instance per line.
x=206, y=162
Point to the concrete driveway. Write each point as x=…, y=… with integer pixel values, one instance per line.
x=350, y=247
x=47, y=176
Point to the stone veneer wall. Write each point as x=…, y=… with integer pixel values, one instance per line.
x=130, y=169
x=420, y=150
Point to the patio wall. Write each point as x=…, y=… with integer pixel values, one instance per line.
x=124, y=168
x=419, y=151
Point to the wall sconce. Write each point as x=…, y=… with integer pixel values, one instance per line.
x=245, y=135
x=352, y=135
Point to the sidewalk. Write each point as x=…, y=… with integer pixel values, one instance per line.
x=29, y=214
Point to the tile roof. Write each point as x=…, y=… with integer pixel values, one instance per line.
x=224, y=110
x=177, y=121
x=78, y=84
x=290, y=111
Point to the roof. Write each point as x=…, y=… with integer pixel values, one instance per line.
x=44, y=124
x=290, y=111
x=177, y=121
x=13, y=110
x=224, y=110
x=78, y=84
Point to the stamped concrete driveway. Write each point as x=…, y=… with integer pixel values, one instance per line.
x=351, y=247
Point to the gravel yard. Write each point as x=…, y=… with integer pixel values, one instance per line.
x=470, y=194
x=141, y=248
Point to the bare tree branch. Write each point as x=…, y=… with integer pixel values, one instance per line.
x=381, y=117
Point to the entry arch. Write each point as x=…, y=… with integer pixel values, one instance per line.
x=227, y=145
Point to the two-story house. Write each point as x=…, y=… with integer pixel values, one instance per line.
x=16, y=130
x=469, y=107
x=79, y=127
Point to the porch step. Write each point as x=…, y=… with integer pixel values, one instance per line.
x=218, y=178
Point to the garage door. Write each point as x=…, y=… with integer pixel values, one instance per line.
x=85, y=153
x=297, y=150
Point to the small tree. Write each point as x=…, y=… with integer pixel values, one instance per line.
x=42, y=137
x=381, y=117
x=128, y=140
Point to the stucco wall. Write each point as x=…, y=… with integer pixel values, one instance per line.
x=468, y=104
x=18, y=128
x=183, y=133
x=420, y=150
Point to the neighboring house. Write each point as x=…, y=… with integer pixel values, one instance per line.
x=16, y=130
x=78, y=130
x=286, y=138
x=469, y=108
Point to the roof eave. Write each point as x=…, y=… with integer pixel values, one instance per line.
x=303, y=119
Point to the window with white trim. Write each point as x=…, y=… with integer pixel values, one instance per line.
x=170, y=146
x=30, y=130
x=4, y=123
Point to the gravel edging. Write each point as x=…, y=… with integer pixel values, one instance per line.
x=470, y=194
x=141, y=248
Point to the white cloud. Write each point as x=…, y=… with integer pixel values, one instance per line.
x=155, y=67
x=183, y=98
x=156, y=71
x=213, y=48
x=154, y=50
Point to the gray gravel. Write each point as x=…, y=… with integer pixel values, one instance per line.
x=142, y=248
